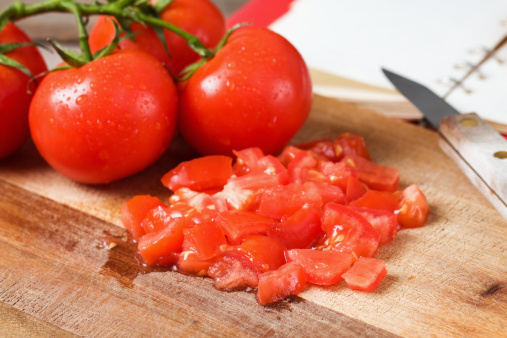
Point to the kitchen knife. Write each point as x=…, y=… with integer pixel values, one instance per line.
x=472, y=143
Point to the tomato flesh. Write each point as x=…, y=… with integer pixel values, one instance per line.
x=276, y=285
x=321, y=267
x=414, y=209
x=278, y=223
x=135, y=210
x=200, y=174
x=366, y=274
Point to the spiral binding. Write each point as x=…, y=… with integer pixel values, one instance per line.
x=472, y=68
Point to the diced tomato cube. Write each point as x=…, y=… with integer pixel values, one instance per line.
x=135, y=210
x=237, y=224
x=299, y=230
x=231, y=274
x=383, y=221
x=355, y=189
x=413, y=207
x=264, y=252
x=303, y=168
x=366, y=274
x=284, y=201
x=189, y=263
x=156, y=219
x=246, y=160
x=321, y=267
x=324, y=147
x=205, y=239
x=156, y=246
x=288, y=154
x=276, y=285
x=352, y=145
x=234, y=198
x=200, y=174
x=337, y=173
x=374, y=199
x=375, y=176
x=330, y=193
x=348, y=231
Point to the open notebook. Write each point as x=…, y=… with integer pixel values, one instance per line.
x=435, y=42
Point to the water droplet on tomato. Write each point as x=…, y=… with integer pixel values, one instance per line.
x=158, y=126
x=79, y=80
x=81, y=99
x=230, y=85
x=52, y=121
x=231, y=65
x=92, y=85
x=68, y=98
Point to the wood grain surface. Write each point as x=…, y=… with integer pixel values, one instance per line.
x=448, y=278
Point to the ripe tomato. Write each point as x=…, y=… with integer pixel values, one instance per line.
x=106, y=120
x=255, y=92
x=200, y=18
x=16, y=90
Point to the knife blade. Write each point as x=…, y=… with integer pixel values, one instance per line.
x=479, y=151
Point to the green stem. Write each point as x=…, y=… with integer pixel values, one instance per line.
x=121, y=9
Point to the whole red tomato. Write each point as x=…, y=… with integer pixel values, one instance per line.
x=197, y=17
x=16, y=90
x=256, y=92
x=106, y=120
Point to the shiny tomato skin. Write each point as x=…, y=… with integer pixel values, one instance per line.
x=16, y=90
x=366, y=274
x=255, y=92
x=276, y=285
x=106, y=120
x=321, y=267
x=413, y=206
x=200, y=18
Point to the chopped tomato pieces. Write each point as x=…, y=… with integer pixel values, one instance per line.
x=135, y=210
x=366, y=274
x=278, y=284
x=413, y=207
x=321, y=267
x=200, y=174
x=315, y=214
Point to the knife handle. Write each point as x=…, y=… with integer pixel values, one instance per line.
x=477, y=144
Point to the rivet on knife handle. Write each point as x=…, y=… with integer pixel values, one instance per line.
x=484, y=150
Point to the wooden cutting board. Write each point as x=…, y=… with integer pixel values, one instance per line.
x=448, y=278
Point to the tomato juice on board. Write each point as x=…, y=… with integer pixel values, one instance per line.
x=278, y=224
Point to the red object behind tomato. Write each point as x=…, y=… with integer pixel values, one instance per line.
x=16, y=90
x=256, y=92
x=106, y=120
x=197, y=17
